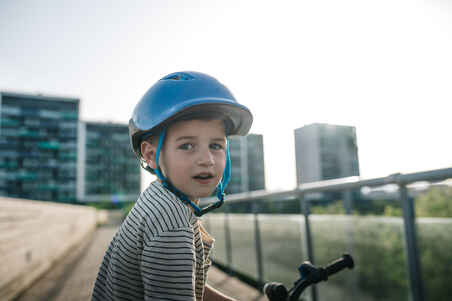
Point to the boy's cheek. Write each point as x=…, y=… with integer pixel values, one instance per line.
x=221, y=162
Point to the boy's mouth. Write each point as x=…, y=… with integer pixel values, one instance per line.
x=203, y=176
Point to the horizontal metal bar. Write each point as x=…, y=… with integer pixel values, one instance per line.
x=430, y=176
x=261, y=195
x=339, y=184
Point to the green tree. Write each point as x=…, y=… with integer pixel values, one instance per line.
x=336, y=207
x=392, y=211
x=436, y=202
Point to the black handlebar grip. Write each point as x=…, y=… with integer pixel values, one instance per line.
x=345, y=262
x=275, y=291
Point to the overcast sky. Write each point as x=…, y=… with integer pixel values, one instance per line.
x=384, y=66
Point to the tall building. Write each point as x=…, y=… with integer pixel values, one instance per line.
x=107, y=168
x=38, y=147
x=325, y=152
x=47, y=154
x=247, y=164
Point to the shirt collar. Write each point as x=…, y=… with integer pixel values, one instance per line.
x=174, y=199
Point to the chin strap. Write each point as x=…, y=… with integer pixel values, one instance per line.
x=220, y=187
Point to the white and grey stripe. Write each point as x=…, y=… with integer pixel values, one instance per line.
x=160, y=252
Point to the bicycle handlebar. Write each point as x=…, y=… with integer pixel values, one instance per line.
x=309, y=275
x=336, y=266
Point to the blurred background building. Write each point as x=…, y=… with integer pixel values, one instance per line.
x=247, y=163
x=38, y=147
x=47, y=154
x=325, y=152
x=108, y=169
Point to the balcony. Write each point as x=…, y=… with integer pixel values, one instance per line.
x=48, y=187
x=68, y=156
x=49, y=114
x=8, y=122
x=10, y=110
x=24, y=176
x=51, y=145
x=69, y=115
x=28, y=133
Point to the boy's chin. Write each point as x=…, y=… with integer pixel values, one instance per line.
x=201, y=195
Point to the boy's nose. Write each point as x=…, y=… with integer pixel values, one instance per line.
x=206, y=158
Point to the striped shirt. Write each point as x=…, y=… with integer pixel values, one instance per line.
x=160, y=252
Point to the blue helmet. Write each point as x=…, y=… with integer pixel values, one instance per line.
x=178, y=96
x=182, y=93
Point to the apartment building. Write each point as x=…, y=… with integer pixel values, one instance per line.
x=247, y=164
x=108, y=169
x=38, y=147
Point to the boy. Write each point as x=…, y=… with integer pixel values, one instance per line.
x=178, y=130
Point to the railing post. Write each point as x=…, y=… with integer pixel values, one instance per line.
x=227, y=234
x=305, y=206
x=347, y=195
x=414, y=267
x=348, y=205
x=258, y=242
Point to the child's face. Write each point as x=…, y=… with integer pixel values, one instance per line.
x=193, y=156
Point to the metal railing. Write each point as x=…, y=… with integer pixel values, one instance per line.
x=347, y=185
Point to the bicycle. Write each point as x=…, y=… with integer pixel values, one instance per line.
x=309, y=274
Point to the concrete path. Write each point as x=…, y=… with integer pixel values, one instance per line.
x=72, y=279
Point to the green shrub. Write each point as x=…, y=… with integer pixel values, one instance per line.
x=436, y=202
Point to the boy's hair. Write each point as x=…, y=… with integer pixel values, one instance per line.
x=152, y=136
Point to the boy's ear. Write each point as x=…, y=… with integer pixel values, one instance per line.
x=148, y=151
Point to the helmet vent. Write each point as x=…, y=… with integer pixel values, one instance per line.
x=178, y=76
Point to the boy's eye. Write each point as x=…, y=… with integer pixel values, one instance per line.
x=216, y=146
x=186, y=146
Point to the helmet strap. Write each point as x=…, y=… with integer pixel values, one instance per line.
x=226, y=174
x=220, y=187
x=157, y=169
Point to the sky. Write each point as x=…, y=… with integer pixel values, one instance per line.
x=384, y=67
